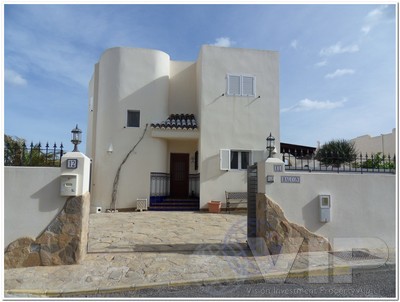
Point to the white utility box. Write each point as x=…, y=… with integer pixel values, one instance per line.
x=141, y=204
x=69, y=185
x=325, y=205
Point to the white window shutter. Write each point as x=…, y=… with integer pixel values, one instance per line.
x=233, y=85
x=257, y=155
x=224, y=159
x=248, y=84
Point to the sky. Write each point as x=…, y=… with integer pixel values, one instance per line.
x=337, y=61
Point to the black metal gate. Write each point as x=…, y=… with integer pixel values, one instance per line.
x=251, y=200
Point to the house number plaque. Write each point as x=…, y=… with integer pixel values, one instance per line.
x=72, y=163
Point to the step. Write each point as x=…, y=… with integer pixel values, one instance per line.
x=170, y=208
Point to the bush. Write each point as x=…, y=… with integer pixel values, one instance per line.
x=377, y=161
x=337, y=152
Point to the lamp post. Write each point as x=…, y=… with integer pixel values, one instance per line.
x=76, y=138
x=270, y=144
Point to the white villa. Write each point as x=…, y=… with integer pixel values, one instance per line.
x=202, y=124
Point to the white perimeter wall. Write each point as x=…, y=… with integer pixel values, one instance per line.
x=384, y=143
x=363, y=205
x=31, y=200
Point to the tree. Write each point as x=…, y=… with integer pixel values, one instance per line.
x=336, y=152
x=17, y=154
x=13, y=150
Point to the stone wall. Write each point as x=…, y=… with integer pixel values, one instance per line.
x=281, y=235
x=64, y=241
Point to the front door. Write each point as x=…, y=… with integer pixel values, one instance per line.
x=179, y=169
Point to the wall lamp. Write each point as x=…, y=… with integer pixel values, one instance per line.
x=110, y=149
x=76, y=138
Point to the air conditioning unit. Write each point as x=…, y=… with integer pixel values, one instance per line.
x=141, y=204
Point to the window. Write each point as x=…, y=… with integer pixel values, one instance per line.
x=133, y=118
x=234, y=160
x=239, y=160
x=241, y=85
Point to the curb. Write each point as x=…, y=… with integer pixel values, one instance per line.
x=324, y=271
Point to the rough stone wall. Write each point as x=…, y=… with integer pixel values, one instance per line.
x=64, y=241
x=281, y=235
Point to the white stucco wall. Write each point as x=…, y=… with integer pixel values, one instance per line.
x=182, y=89
x=31, y=200
x=128, y=79
x=232, y=122
x=384, y=143
x=363, y=205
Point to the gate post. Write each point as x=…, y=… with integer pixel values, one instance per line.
x=252, y=188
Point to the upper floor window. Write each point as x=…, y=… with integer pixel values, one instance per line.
x=133, y=118
x=241, y=85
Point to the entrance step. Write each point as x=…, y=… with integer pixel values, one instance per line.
x=175, y=205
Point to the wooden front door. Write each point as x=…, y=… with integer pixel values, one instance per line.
x=179, y=169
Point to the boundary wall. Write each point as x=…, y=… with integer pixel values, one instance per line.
x=31, y=200
x=363, y=206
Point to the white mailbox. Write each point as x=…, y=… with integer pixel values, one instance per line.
x=69, y=185
x=325, y=208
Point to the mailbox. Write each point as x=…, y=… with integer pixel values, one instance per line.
x=325, y=208
x=69, y=183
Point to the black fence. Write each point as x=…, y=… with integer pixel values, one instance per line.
x=362, y=163
x=34, y=155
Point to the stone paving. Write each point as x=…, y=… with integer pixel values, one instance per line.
x=164, y=231
x=130, y=251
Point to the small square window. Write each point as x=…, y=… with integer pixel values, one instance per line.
x=133, y=118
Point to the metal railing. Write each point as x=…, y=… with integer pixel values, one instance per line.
x=362, y=163
x=194, y=185
x=160, y=184
x=34, y=155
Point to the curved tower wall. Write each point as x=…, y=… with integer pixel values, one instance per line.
x=127, y=79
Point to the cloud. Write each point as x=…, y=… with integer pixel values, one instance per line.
x=308, y=105
x=366, y=29
x=338, y=49
x=223, y=42
x=321, y=63
x=377, y=13
x=339, y=73
x=14, y=78
x=293, y=44
x=374, y=17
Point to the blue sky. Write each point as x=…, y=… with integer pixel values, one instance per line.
x=337, y=62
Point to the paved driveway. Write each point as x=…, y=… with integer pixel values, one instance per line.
x=152, y=231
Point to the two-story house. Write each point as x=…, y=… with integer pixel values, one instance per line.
x=196, y=125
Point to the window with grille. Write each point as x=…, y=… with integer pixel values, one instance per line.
x=241, y=85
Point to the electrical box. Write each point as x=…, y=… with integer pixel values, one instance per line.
x=325, y=208
x=69, y=185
